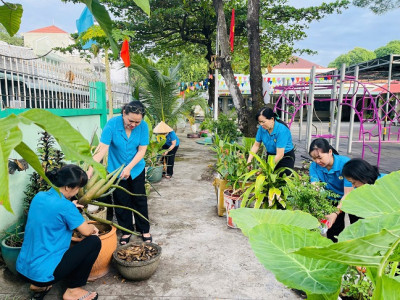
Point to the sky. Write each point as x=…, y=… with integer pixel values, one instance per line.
x=332, y=36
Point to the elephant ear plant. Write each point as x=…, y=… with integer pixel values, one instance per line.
x=73, y=144
x=288, y=243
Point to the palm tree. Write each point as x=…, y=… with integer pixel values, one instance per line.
x=159, y=91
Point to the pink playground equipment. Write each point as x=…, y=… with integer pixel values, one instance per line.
x=375, y=108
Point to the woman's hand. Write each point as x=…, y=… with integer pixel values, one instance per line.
x=77, y=204
x=95, y=230
x=126, y=172
x=331, y=218
x=165, y=153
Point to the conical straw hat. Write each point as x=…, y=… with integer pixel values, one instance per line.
x=162, y=128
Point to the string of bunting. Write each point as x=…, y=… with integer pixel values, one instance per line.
x=243, y=82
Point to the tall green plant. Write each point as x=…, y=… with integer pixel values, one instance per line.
x=72, y=143
x=301, y=258
x=160, y=93
x=265, y=186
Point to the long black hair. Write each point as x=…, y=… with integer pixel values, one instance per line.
x=135, y=107
x=360, y=170
x=71, y=176
x=269, y=114
x=322, y=145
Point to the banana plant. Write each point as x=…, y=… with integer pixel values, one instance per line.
x=73, y=144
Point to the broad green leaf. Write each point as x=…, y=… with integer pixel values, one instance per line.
x=74, y=146
x=273, y=244
x=390, y=288
x=262, y=162
x=247, y=218
x=10, y=17
x=370, y=250
x=10, y=137
x=245, y=196
x=32, y=159
x=364, y=227
x=144, y=5
x=375, y=200
x=260, y=197
x=259, y=184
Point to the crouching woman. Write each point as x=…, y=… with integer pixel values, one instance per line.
x=46, y=256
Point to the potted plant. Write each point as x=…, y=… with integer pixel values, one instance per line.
x=11, y=243
x=153, y=159
x=266, y=185
x=137, y=261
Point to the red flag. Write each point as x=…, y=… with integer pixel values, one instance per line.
x=232, y=31
x=125, y=53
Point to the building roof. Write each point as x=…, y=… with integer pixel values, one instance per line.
x=394, y=88
x=48, y=29
x=299, y=64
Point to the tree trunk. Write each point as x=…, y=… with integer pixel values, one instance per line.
x=256, y=79
x=224, y=64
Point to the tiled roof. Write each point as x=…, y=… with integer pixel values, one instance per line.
x=48, y=29
x=394, y=88
x=299, y=64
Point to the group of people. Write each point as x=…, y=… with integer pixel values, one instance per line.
x=46, y=256
x=340, y=173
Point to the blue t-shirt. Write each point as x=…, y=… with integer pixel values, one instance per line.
x=334, y=178
x=280, y=137
x=48, y=232
x=170, y=138
x=123, y=149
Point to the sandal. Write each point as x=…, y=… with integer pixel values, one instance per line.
x=124, y=241
x=87, y=295
x=168, y=176
x=39, y=295
x=147, y=239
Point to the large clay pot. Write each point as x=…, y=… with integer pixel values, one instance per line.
x=10, y=255
x=108, y=245
x=137, y=270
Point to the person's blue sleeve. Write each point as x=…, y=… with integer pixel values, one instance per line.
x=106, y=135
x=144, y=136
x=258, y=135
x=173, y=136
x=313, y=172
x=72, y=217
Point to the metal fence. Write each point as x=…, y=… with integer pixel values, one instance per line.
x=34, y=83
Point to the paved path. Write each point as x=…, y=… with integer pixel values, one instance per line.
x=202, y=258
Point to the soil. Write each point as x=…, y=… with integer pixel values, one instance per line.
x=141, y=252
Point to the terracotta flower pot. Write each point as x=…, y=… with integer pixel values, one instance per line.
x=137, y=270
x=108, y=245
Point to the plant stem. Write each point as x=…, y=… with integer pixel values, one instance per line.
x=103, y=221
x=118, y=206
x=393, y=269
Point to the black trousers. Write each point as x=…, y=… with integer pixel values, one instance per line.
x=338, y=226
x=170, y=159
x=138, y=203
x=76, y=264
x=287, y=161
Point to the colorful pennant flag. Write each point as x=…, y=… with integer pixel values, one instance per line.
x=125, y=53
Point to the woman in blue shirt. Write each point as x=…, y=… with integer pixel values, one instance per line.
x=46, y=256
x=360, y=172
x=327, y=167
x=125, y=139
x=171, y=146
x=277, y=139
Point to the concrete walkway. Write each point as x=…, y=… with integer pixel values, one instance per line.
x=202, y=258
